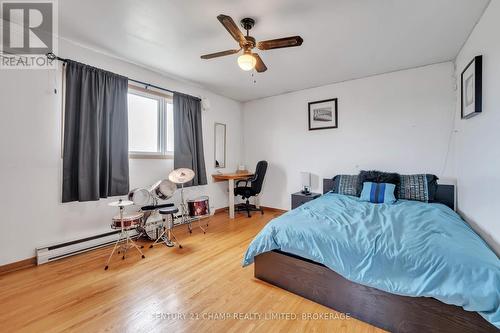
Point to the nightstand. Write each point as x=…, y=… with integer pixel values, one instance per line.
x=299, y=198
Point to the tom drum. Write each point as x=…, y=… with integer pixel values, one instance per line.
x=199, y=207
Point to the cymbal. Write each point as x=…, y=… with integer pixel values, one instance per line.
x=181, y=176
x=120, y=203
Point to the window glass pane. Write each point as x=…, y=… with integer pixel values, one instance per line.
x=170, y=127
x=143, y=124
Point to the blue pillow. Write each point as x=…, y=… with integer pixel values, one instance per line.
x=378, y=192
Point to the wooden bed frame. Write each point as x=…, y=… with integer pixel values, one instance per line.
x=388, y=311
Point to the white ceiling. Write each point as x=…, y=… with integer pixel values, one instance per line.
x=343, y=39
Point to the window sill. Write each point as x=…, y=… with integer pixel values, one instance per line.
x=151, y=156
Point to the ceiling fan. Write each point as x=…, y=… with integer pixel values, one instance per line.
x=249, y=60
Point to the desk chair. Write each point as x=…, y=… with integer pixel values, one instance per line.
x=251, y=190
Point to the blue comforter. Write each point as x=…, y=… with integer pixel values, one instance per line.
x=407, y=248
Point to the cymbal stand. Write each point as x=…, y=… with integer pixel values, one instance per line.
x=184, y=211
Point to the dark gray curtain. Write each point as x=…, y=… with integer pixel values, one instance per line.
x=188, y=137
x=95, y=160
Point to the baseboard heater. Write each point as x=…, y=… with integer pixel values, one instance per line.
x=63, y=250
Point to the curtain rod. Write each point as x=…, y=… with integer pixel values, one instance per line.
x=52, y=56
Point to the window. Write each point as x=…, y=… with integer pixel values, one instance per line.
x=150, y=125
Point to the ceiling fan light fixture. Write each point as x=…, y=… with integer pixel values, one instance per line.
x=247, y=61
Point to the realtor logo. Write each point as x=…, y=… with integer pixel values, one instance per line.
x=28, y=34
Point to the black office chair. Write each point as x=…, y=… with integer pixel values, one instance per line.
x=251, y=191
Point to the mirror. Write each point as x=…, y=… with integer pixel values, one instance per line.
x=220, y=145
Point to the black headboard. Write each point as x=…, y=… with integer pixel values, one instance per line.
x=445, y=193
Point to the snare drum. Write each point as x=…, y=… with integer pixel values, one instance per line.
x=198, y=207
x=130, y=220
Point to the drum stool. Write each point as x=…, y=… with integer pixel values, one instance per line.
x=167, y=236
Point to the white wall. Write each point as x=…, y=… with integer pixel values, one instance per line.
x=30, y=148
x=398, y=121
x=477, y=140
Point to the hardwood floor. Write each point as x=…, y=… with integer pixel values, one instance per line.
x=204, y=282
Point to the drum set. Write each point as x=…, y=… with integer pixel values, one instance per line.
x=154, y=220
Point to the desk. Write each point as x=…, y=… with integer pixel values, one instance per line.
x=231, y=177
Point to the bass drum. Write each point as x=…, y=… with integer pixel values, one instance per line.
x=153, y=224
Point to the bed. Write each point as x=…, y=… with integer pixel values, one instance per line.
x=407, y=267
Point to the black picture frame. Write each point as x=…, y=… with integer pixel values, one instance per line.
x=477, y=65
x=335, y=109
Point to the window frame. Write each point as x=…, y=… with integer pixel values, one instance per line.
x=163, y=99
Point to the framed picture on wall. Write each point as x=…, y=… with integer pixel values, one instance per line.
x=323, y=114
x=472, y=88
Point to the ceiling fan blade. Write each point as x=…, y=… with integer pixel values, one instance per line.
x=220, y=54
x=232, y=28
x=259, y=66
x=280, y=43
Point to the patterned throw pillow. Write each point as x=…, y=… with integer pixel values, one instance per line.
x=421, y=187
x=378, y=193
x=345, y=184
x=375, y=176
